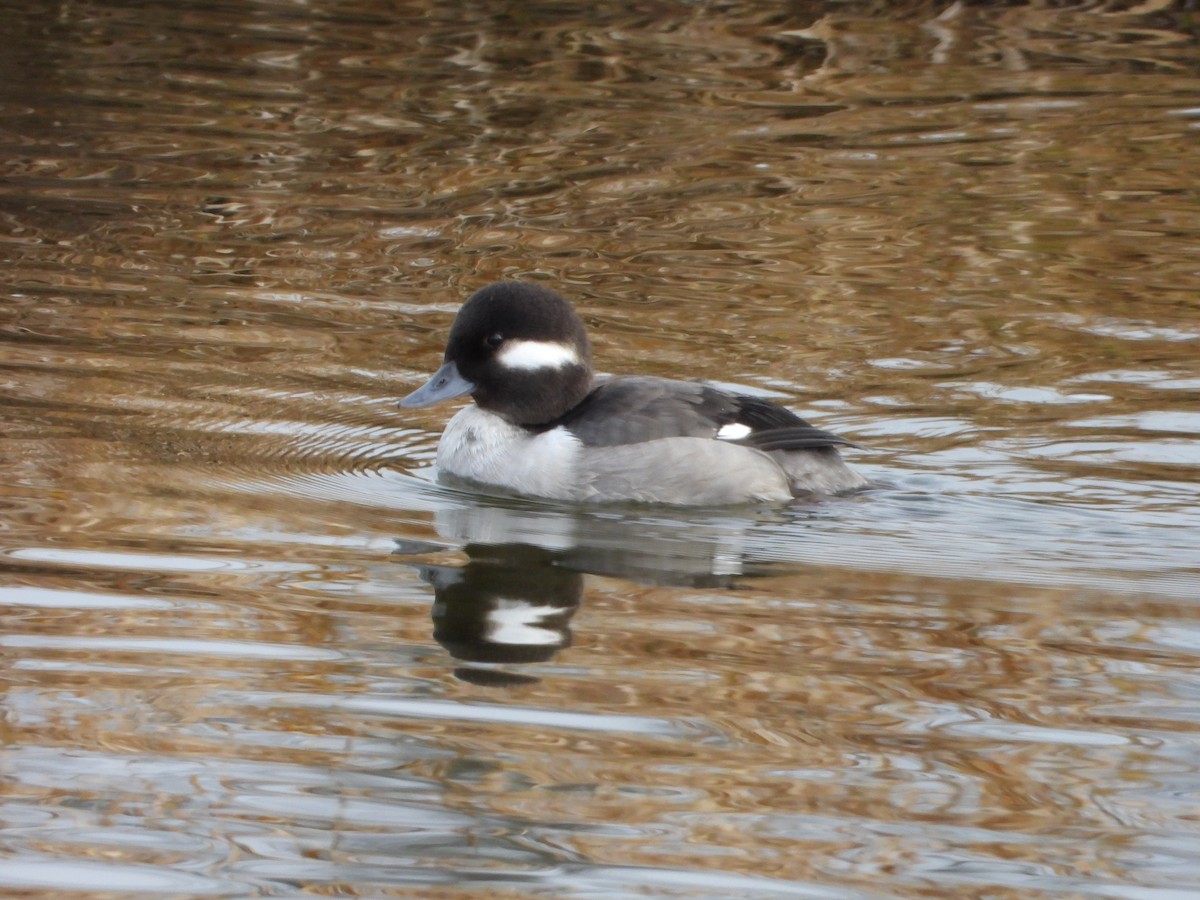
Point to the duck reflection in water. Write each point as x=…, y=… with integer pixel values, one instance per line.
x=508, y=604
x=512, y=602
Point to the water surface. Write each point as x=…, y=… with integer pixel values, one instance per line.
x=251, y=646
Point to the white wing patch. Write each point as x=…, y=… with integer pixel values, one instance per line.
x=532, y=355
x=734, y=431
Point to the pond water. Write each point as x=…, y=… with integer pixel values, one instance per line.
x=251, y=647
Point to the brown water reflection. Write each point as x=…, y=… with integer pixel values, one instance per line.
x=251, y=648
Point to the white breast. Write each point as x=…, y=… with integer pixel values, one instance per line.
x=484, y=448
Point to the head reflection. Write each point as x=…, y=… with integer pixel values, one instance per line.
x=512, y=602
x=508, y=604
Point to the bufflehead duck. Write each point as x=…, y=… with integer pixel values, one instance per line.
x=541, y=425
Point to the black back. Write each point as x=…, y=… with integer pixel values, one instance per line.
x=634, y=409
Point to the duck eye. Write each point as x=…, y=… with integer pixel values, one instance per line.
x=493, y=340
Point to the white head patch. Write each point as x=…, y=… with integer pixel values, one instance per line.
x=516, y=622
x=537, y=355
